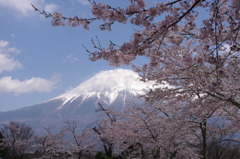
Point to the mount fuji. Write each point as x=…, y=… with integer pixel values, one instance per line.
x=113, y=89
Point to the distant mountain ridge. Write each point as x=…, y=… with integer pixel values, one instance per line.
x=115, y=88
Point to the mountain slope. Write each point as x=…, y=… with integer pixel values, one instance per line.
x=107, y=85
x=115, y=88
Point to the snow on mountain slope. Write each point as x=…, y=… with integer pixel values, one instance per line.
x=113, y=89
x=107, y=85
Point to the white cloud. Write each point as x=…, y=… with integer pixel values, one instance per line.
x=50, y=8
x=84, y=2
x=20, y=6
x=71, y=58
x=9, y=85
x=35, y=84
x=24, y=8
x=7, y=62
x=4, y=47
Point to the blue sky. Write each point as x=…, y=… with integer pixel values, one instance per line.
x=39, y=61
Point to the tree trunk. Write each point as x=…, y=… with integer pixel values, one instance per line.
x=204, y=138
x=80, y=155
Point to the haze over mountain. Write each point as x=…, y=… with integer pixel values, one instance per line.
x=115, y=88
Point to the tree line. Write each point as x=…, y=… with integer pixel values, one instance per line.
x=136, y=132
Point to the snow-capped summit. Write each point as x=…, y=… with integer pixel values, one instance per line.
x=107, y=85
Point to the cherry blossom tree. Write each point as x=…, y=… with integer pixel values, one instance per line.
x=211, y=122
x=3, y=149
x=177, y=131
x=18, y=138
x=52, y=145
x=224, y=147
x=193, y=46
x=80, y=141
x=144, y=132
x=103, y=131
